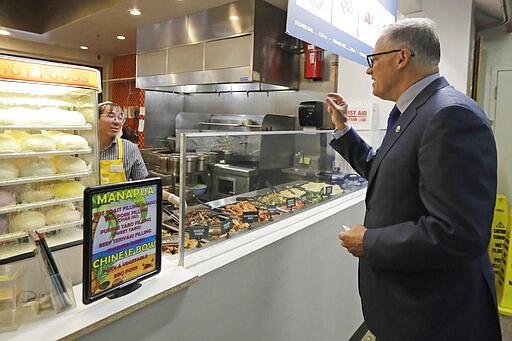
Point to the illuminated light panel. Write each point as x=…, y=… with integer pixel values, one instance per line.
x=83, y=47
x=121, y=37
x=135, y=11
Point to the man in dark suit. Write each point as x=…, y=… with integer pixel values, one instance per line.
x=424, y=271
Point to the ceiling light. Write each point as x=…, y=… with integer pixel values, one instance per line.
x=135, y=11
x=83, y=47
x=233, y=17
x=4, y=33
x=121, y=37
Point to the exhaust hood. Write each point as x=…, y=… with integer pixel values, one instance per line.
x=240, y=46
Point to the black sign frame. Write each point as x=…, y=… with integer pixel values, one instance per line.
x=124, y=287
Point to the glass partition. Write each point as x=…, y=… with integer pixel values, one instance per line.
x=236, y=182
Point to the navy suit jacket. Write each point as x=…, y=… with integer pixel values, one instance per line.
x=425, y=273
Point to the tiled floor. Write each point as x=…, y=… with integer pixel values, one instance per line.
x=506, y=329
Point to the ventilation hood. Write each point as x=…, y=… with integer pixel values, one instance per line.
x=240, y=46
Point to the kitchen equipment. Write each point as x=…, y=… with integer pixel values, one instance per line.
x=265, y=152
x=55, y=97
x=314, y=114
x=174, y=164
x=190, y=163
x=202, y=162
x=163, y=163
x=228, y=180
x=253, y=55
x=171, y=143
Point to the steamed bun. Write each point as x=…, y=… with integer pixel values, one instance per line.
x=8, y=170
x=8, y=144
x=26, y=221
x=69, y=164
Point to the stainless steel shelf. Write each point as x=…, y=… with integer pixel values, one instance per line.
x=50, y=153
x=37, y=204
x=46, y=127
x=31, y=179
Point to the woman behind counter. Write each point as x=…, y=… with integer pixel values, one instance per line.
x=120, y=159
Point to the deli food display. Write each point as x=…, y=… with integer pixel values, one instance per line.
x=238, y=214
x=48, y=151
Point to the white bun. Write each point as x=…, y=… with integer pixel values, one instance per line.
x=7, y=198
x=59, y=215
x=26, y=221
x=68, y=189
x=8, y=144
x=17, y=134
x=37, y=167
x=16, y=116
x=4, y=224
x=69, y=164
x=8, y=170
x=69, y=142
x=56, y=116
x=38, y=143
x=34, y=195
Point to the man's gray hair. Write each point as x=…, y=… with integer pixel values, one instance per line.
x=417, y=34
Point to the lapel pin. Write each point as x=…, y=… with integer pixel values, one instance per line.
x=397, y=130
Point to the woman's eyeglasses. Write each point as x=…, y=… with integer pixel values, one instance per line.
x=113, y=116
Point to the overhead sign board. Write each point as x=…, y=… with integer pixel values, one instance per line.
x=348, y=28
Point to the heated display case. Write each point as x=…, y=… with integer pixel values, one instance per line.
x=48, y=151
x=309, y=174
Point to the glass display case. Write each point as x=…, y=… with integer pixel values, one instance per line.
x=234, y=195
x=48, y=151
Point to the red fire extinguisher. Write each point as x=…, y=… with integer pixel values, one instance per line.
x=313, y=62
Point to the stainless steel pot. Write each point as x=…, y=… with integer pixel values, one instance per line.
x=203, y=160
x=191, y=163
x=173, y=164
x=164, y=163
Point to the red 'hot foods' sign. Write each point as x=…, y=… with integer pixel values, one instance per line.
x=46, y=72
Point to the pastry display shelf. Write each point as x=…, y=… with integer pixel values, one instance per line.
x=54, y=227
x=37, y=204
x=44, y=229
x=17, y=244
x=46, y=127
x=31, y=179
x=50, y=153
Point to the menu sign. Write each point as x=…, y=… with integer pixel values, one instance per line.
x=122, y=236
x=348, y=28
